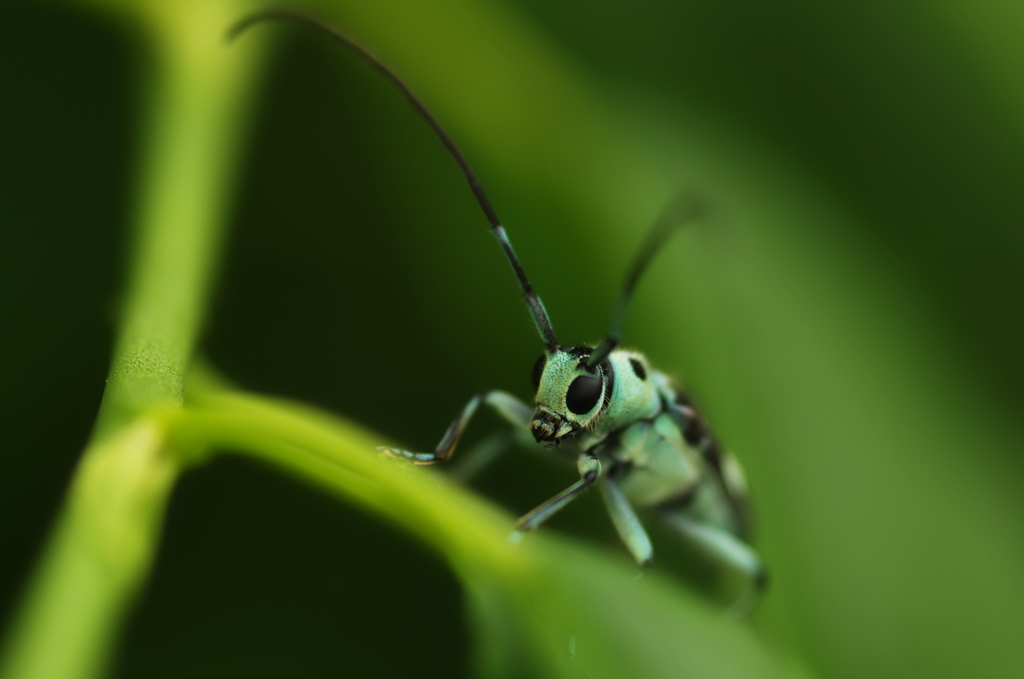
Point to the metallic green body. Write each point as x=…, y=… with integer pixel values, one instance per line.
x=645, y=447
x=636, y=433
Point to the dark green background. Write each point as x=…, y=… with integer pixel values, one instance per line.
x=359, y=276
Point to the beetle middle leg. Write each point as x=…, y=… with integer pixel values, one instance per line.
x=480, y=455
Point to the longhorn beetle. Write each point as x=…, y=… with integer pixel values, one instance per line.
x=639, y=438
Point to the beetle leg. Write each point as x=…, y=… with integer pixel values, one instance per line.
x=508, y=406
x=481, y=454
x=590, y=471
x=727, y=549
x=626, y=523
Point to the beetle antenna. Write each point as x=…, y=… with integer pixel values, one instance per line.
x=536, y=307
x=687, y=207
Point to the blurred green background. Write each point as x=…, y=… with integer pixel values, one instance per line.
x=850, y=324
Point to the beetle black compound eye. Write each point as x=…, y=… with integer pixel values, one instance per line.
x=583, y=394
x=538, y=370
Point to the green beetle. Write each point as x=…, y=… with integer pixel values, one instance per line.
x=639, y=438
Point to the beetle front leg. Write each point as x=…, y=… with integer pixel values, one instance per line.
x=508, y=406
x=590, y=471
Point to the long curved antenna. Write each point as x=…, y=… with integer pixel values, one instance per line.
x=536, y=307
x=685, y=208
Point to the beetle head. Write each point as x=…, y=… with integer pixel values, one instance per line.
x=570, y=396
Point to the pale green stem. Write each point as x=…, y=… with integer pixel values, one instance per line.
x=198, y=85
x=328, y=452
x=99, y=553
x=103, y=543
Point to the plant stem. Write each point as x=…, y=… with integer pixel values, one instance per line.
x=328, y=452
x=198, y=87
x=102, y=546
x=98, y=555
